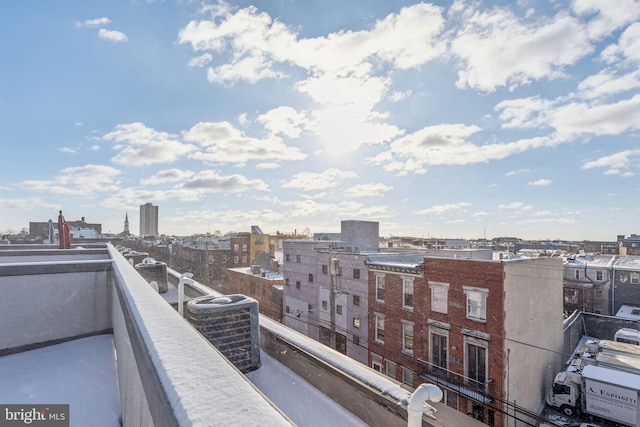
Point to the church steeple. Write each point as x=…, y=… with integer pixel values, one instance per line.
x=126, y=224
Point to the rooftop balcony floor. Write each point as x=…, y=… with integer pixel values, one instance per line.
x=80, y=373
x=304, y=404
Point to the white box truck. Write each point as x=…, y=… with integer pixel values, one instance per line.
x=598, y=391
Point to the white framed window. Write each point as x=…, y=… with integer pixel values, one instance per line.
x=407, y=376
x=407, y=337
x=235, y=259
x=475, y=361
x=379, y=287
x=439, y=296
x=407, y=293
x=635, y=278
x=599, y=275
x=391, y=369
x=379, y=328
x=244, y=259
x=235, y=247
x=356, y=322
x=476, y=303
x=244, y=247
x=376, y=362
x=438, y=347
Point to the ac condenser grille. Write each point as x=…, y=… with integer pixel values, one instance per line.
x=230, y=323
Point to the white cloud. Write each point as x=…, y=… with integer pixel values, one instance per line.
x=29, y=204
x=615, y=163
x=92, y=23
x=607, y=83
x=516, y=206
x=223, y=143
x=112, y=35
x=368, y=190
x=499, y=50
x=628, y=47
x=67, y=150
x=607, y=19
x=169, y=175
x=310, y=181
x=79, y=181
x=599, y=119
x=511, y=173
x=446, y=208
x=139, y=145
x=268, y=165
x=481, y=214
x=524, y=113
x=200, y=61
x=447, y=144
x=285, y=121
x=540, y=182
x=95, y=147
x=211, y=181
x=399, y=96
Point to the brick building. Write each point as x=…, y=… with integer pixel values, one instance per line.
x=263, y=285
x=478, y=329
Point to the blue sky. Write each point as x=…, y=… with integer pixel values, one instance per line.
x=437, y=119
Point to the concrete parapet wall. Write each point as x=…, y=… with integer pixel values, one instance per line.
x=45, y=303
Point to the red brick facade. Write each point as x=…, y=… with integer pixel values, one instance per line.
x=466, y=338
x=267, y=290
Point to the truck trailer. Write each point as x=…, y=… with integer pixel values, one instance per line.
x=598, y=391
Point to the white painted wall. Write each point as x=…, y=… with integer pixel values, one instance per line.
x=533, y=315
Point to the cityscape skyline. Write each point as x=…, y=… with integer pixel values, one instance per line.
x=455, y=119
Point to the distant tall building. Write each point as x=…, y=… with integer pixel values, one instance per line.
x=148, y=220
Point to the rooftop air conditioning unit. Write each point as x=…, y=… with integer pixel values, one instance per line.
x=230, y=323
x=154, y=271
x=135, y=257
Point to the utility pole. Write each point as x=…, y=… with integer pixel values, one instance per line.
x=332, y=299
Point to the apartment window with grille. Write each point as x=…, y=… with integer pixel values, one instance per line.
x=236, y=247
x=287, y=257
x=407, y=377
x=356, y=340
x=338, y=309
x=297, y=284
x=391, y=369
x=577, y=274
x=325, y=269
x=324, y=304
x=599, y=275
x=356, y=322
x=356, y=273
x=439, y=297
x=356, y=300
x=235, y=259
x=407, y=337
x=310, y=308
x=635, y=278
x=407, y=293
x=379, y=328
x=298, y=259
x=380, y=288
x=476, y=303
x=310, y=278
x=339, y=271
